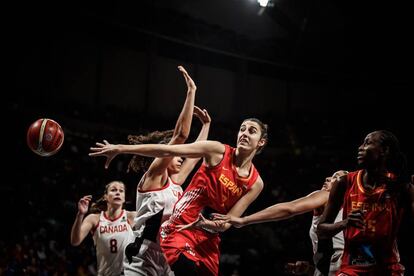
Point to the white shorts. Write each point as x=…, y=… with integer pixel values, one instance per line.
x=149, y=261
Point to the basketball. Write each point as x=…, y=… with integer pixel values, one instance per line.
x=45, y=137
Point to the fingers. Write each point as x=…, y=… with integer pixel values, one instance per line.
x=89, y=197
x=356, y=219
x=108, y=161
x=202, y=114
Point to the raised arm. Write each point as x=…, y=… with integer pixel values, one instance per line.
x=81, y=226
x=280, y=211
x=157, y=170
x=183, y=125
x=189, y=163
x=212, y=151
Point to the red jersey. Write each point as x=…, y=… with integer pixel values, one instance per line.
x=218, y=188
x=374, y=249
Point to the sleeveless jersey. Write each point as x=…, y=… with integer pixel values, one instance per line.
x=374, y=249
x=110, y=238
x=151, y=202
x=217, y=188
x=153, y=207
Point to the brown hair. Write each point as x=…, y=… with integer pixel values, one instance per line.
x=264, y=132
x=141, y=163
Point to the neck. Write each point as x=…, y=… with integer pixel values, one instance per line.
x=242, y=160
x=372, y=178
x=113, y=212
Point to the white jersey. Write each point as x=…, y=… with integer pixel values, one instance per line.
x=151, y=202
x=150, y=260
x=337, y=240
x=110, y=238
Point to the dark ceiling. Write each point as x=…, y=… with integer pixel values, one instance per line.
x=359, y=39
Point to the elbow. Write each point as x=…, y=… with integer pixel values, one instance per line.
x=75, y=242
x=290, y=211
x=321, y=233
x=182, y=135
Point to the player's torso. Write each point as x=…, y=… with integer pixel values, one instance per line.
x=217, y=188
x=376, y=242
x=150, y=202
x=111, y=237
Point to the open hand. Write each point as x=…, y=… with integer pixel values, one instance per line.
x=83, y=204
x=105, y=149
x=202, y=115
x=233, y=220
x=190, y=83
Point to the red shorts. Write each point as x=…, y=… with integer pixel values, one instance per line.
x=355, y=270
x=197, y=245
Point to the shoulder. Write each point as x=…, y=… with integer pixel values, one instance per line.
x=131, y=216
x=93, y=219
x=258, y=184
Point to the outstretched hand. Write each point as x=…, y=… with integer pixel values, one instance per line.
x=83, y=204
x=202, y=115
x=104, y=149
x=190, y=83
x=233, y=220
x=182, y=227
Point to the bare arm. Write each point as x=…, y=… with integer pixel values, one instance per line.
x=157, y=171
x=237, y=210
x=183, y=125
x=189, y=163
x=131, y=216
x=212, y=151
x=280, y=211
x=327, y=228
x=81, y=226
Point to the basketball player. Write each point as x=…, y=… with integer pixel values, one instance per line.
x=110, y=227
x=227, y=182
x=315, y=202
x=373, y=199
x=160, y=187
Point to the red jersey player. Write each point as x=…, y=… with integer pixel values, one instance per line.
x=227, y=182
x=373, y=199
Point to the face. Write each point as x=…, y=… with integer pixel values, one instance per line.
x=175, y=165
x=371, y=150
x=249, y=135
x=115, y=194
x=329, y=181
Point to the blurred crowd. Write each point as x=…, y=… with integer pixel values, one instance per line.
x=40, y=194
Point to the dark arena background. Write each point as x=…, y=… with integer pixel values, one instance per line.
x=321, y=73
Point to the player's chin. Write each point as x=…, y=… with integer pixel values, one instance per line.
x=244, y=147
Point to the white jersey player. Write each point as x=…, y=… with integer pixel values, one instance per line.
x=111, y=228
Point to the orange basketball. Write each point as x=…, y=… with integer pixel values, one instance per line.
x=45, y=137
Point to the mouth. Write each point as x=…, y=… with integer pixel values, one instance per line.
x=243, y=141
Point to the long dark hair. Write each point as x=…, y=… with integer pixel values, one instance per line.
x=141, y=163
